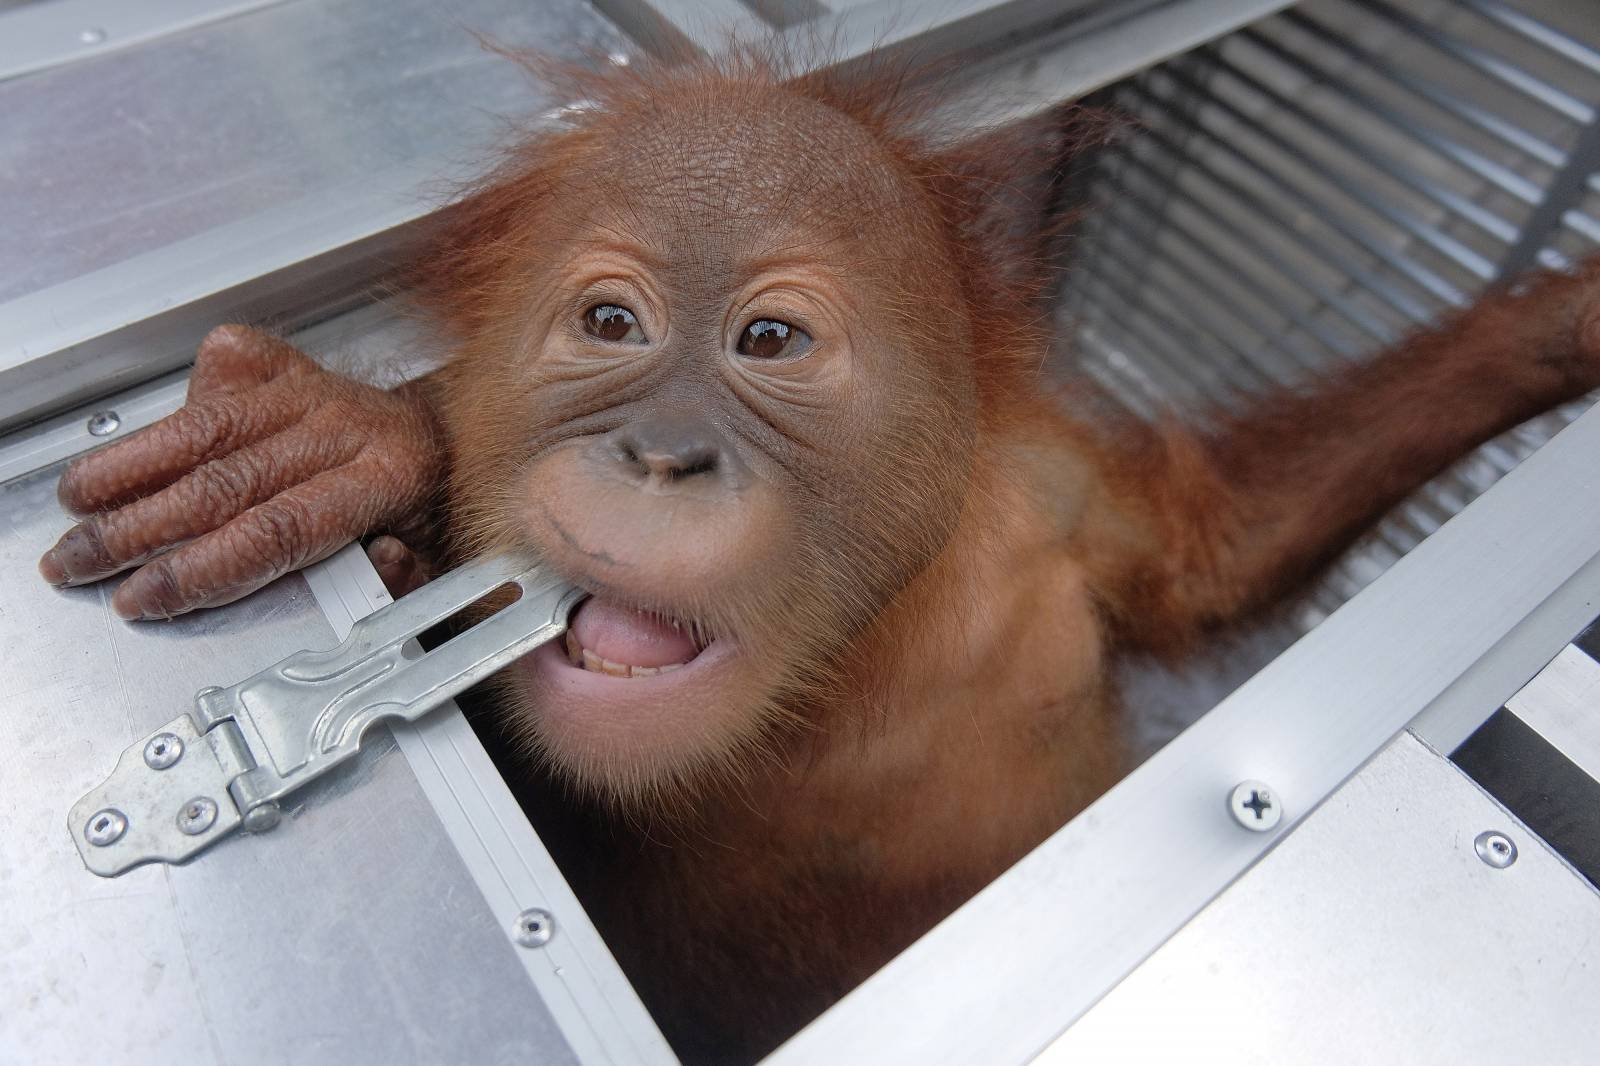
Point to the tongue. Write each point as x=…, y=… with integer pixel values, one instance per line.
x=626, y=636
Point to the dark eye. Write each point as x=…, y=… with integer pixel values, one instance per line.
x=612, y=323
x=767, y=338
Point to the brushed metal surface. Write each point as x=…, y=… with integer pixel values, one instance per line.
x=1374, y=933
x=130, y=151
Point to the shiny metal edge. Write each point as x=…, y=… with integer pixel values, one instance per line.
x=673, y=28
x=123, y=324
x=1374, y=934
x=1035, y=81
x=68, y=434
x=580, y=983
x=1099, y=896
x=37, y=36
x=1562, y=704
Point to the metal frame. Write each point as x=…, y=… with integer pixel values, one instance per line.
x=133, y=320
x=39, y=36
x=1080, y=912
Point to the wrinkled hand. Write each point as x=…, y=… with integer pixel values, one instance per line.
x=272, y=464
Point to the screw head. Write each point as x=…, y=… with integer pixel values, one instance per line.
x=534, y=927
x=104, y=423
x=1255, y=806
x=105, y=827
x=163, y=750
x=1495, y=848
x=198, y=815
x=260, y=818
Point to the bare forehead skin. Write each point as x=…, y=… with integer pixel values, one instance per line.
x=742, y=175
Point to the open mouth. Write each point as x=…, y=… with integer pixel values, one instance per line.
x=607, y=637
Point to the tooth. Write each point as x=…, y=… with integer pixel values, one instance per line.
x=574, y=649
x=591, y=661
x=669, y=668
x=645, y=671
x=614, y=669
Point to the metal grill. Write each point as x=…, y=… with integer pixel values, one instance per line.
x=1307, y=190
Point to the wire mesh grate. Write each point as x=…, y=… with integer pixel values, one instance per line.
x=1310, y=189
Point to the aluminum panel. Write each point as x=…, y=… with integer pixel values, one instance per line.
x=1373, y=933
x=193, y=130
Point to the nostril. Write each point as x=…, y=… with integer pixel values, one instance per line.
x=668, y=450
x=702, y=464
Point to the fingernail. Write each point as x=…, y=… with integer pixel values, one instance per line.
x=51, y=570
x=150, y=593
x=79, y=556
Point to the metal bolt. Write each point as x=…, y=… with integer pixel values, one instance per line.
x=196, y=816
x=1255, y=806
x=260, y=818
x=1495, y=848
x=534, y=927
x=105, y=827
x=92, y=35
x=104, y=423
x=162, y=751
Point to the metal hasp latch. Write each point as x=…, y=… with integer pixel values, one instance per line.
x=202, y=775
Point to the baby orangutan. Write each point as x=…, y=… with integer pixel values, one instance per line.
x=757, y=364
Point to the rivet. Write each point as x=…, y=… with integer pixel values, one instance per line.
x=163, y=750
x=1495, y=848
x=1255, y=806
x=105, y=827
x=198, y=815
x=104, y=423
x=534, y=927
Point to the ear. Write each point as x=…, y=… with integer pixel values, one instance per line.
x=1006, y=191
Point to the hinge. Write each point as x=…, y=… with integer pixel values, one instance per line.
x=225, y=764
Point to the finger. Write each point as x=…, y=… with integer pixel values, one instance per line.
x=200, y=502
x=401, y=569
x=159, y=455
x=240, y=358
x=293, y=529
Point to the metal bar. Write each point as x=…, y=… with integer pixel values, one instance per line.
x=1380, y=288
x=1212, y=255
x=1506, y=73
x=1217, y=330
x=142, y=317
x=1238, y=373
x=1479, y=165
x=1242, y=270
x=1372, y=155
x=1071, y=69
x=1445, y=245
x=1563, y=190
x=1437, y=95
x=1545, y=36
x=36, y=36
x=1181, y=382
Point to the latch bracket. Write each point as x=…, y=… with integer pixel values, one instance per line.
x=226, y=764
